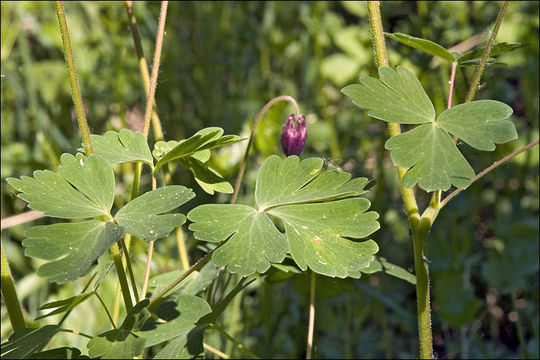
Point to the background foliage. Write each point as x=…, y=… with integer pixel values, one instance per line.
x=221, y=62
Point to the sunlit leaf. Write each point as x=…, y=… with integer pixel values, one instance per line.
x=428, y=150
x=70, y=248
x=426, y=46
x=209, y=179
x=121, y=147
x=143, y=216
x=320, y=211
x=54, y=194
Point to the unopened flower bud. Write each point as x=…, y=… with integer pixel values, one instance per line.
x=293, y=135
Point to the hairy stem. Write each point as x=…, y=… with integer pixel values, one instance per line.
x=488, y=169
x=143, y=67
x=155, y=67
x=311, y=324
x=246, y=154
x=76, y=92
x=409, y=200
x=9, y=295
x=485, y=55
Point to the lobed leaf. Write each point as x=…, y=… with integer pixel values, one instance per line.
x=121, y=147
x=311, y=203
x=54, y=194
x=26, y=342
x=398, y=97
x=141, y=216
x=71, y=248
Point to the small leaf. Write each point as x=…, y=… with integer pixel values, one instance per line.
x=209, y=179
x=121, y=343
x=434, y=160
x=73, y=246
x=318, y=209
x=63, y=305
x=121, y=147
x=24, y=343
x=380, y=264
x=496, y=50
x=398, y=97
x=181, y=318
x=426, y=46
x=140, y=217
x=481, y=124
x=51, y=193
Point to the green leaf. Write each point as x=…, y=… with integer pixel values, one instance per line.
x=192, y=285
x=398, y=97
x=426, y=46
x=320, y=210
x=187, y=346
x=24, y=343
x=481, y=124
x=434, y=160
x=121, y=147
x=205, y=139
x=60, y=353
x=73, y=246
x=121, y=343
x=428, y=150
x=209, y=179
x=63, y=305
x=381, y=264
x=51, y=193
x=181, y=318
x=496, y=50
x=140, y=217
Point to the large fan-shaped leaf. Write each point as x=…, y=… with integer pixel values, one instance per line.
x=141, y=216
x=318, y=221
x=72, y=248
x=54, y=194
x=121, y=147
x=434, y=161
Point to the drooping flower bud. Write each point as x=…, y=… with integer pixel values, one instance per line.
x=293, y=135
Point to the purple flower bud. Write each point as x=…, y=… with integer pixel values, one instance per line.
x=293, y=135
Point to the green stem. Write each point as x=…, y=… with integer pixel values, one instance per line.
x=117, y=258
x=246, y=154
x=485, y=55
x=66, y=314
x=488, y=169
x=155, y=67
x=311, y=323
x=106, y=310
x=215, y=351
x=124, y=244
x=143, y=67
x=9, y=295
x=182, y=250
x=77, y=98
x=76, y=333
x=419, y=232
x=234, y=341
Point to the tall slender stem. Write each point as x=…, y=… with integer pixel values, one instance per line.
x=117, y=258
x=487, y=51
x=182, y=250
x=105, y=308
x=9, y=295
x=234, y=341
x=246, y=154
x=76, y=92
x=311, y=323
x=155, y=67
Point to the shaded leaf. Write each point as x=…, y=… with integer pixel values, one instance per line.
x=51, y=193
x=398, y=97
x=71, y=248
x=24, y=343
x=121, y=147
x=181, y=317
x=426, y=46
x=186, y=346
x=497, y=49
x=63, y=305
x=380, y=264
x=121, y=343
x=209, y=179
x=141, y=216
x=317, y=218
x=60, y=353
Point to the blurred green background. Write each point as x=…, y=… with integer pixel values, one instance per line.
x=221, y=62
